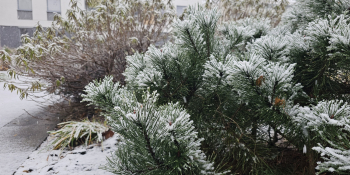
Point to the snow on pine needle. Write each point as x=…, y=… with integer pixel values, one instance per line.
x=330, y=120
x=156, y=139
x=334, y=112
x=334, y=160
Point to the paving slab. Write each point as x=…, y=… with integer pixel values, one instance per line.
x=14, y=158
x=20, y=137
x=23, y=127
x=11, y=106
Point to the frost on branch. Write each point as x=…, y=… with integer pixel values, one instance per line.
x=330, y=120
x=156, y=140
x=273, y=48
x=305, y=11
x=209, y=70
x=260, y=26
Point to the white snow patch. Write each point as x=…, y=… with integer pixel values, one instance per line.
x=304, y=149
x=80, y=161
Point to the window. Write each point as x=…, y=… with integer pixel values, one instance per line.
x=28, y=31
x=87, y=7
x=53, y=6
x=180, y=10
x=23, y=31
x=24, y=9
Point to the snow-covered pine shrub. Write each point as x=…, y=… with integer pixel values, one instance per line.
x=305, y=11
x=155, y=139
x=240, y=83
x=89, y=44
x=320, y=46
x=330, y=121
x=235, y=97
x=272, y=47
x=73, y=132
x=260, y=26
x=322, y=56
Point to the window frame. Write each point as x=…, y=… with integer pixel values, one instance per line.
x=52, y=12
x=182, y=6
x=49, y=11
x=18, y=9
x=21, y=10
x=29, y=30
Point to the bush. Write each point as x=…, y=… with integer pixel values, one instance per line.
x=3, y=66
x=245, y=86
x=330, y=122
x=88, y=45
x=156, y=139
x=237, y=9
x=4, y=61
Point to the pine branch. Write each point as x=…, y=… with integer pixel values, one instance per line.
x=148, y=144
x=192, y=42
x=176, y=144
x=207, y=42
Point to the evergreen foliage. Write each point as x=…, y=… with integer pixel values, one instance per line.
x=320, y=28
x=322, y=64
x=155, y=139
x=235, y=97
x=242, y=83
x=329, y=121
x=305, y=11
x=246, y=86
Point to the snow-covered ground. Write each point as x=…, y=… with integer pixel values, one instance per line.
x=80, y=161
x=21, y=132
x=12, y=106
x=10, y=103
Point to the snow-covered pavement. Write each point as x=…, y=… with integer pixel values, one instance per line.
x=10, y=104
x=80, y=161
x=20, y=133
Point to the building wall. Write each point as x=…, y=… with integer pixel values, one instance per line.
x=187, y=2
x=10, y=25
x=8, y=13
x=9, y=36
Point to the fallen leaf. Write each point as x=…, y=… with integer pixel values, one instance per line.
x=108, y=134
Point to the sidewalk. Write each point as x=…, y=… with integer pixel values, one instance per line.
x=20, y=133
x=21, y=137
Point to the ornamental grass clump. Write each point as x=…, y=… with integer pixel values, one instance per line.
x=74, y=133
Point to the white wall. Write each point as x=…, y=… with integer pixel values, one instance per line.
x=8, y=12
x=186, y=2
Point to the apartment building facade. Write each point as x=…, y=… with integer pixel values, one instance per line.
x=19, y=17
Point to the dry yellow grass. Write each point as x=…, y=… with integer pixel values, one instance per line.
x=3, y=66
